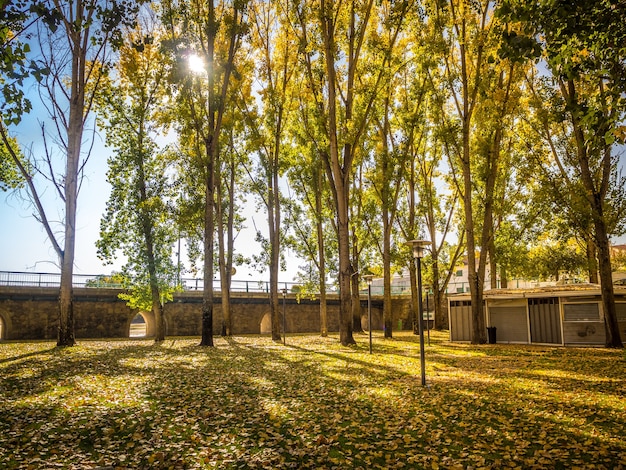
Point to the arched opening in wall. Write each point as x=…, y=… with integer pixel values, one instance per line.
x=138, y=327
x=266, y=324
x=2, y=328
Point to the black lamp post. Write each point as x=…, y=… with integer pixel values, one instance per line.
x=368, y=278
x=418, y=254
x=428, y=314
x=284, y=317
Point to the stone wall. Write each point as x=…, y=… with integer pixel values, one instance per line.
x=28, y=313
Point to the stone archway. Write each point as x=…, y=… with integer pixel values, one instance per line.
x=265, y=326
x=147, y=318
x=138, y=327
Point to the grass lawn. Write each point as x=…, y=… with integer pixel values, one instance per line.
x=252, y=403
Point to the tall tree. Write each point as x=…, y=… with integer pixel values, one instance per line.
x=76, y=38
x=212, y=32
x=138, y=220
x=344, y=98
x=312, y=220
x=581, y=43
x=390, y=47
x=276, y=51
x=475, y=77
x=229, y=221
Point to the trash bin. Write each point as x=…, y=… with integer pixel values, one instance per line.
x=491, y=333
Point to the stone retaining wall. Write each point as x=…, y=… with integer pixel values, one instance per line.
x=30, y=313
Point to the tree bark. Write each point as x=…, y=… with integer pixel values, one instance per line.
x=321, y=255
x=596, y=196
x=339, y=176
x=223, y=252
x=592, y=263
x=273, y=208
x=209, y=231
x=74, y=141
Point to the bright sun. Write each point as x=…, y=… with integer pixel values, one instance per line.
x=196, y=63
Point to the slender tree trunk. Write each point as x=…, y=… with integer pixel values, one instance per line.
x=439, y=321
x=157, y=310
x=339, y=176
x=273, y=198
x=387, y=307
x=475, y=282
x=613, y=335
x=74, y=141
x=322, y=256
x=345, y=270
x=209, y=231
x=66, y=293
x=412, y=234
x=230, y=245
x=157, y=305
x=504, y=278
x=493, y=266
x=222, y=253
x=385, y=196
x=215, y=113
x=592, y=264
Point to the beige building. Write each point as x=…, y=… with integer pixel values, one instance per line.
x=555, y=315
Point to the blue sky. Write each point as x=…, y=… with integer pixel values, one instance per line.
x=25, y=246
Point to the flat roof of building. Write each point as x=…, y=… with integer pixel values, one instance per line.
x=567, y=290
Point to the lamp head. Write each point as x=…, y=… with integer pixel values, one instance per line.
x=368, y=278
x=418, y=247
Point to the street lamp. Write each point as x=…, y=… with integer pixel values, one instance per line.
x=428, y=314
x=368, y=278
x=418, y=253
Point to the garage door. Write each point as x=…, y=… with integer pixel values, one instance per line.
x=511, y=323
x=460, y=320
x=545, y=320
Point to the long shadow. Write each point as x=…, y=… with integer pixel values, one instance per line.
x=24, y=356
x=244, y=405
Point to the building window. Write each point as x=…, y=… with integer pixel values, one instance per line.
x=459, y=273
x=581, y=312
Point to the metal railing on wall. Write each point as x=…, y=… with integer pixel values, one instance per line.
x=32, y=279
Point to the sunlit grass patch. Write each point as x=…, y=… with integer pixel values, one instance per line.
x=250, y=402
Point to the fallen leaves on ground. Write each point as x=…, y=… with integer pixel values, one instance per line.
x=252, y=403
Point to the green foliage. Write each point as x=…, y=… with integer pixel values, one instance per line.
x=115, y=280
x=10, y=175
x=14, y=66
x=139, y=215
x=312, y=404
x=139, y=295
x=551, y=259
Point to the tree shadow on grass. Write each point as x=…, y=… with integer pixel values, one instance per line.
x=26, y=355
x=253, y=403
